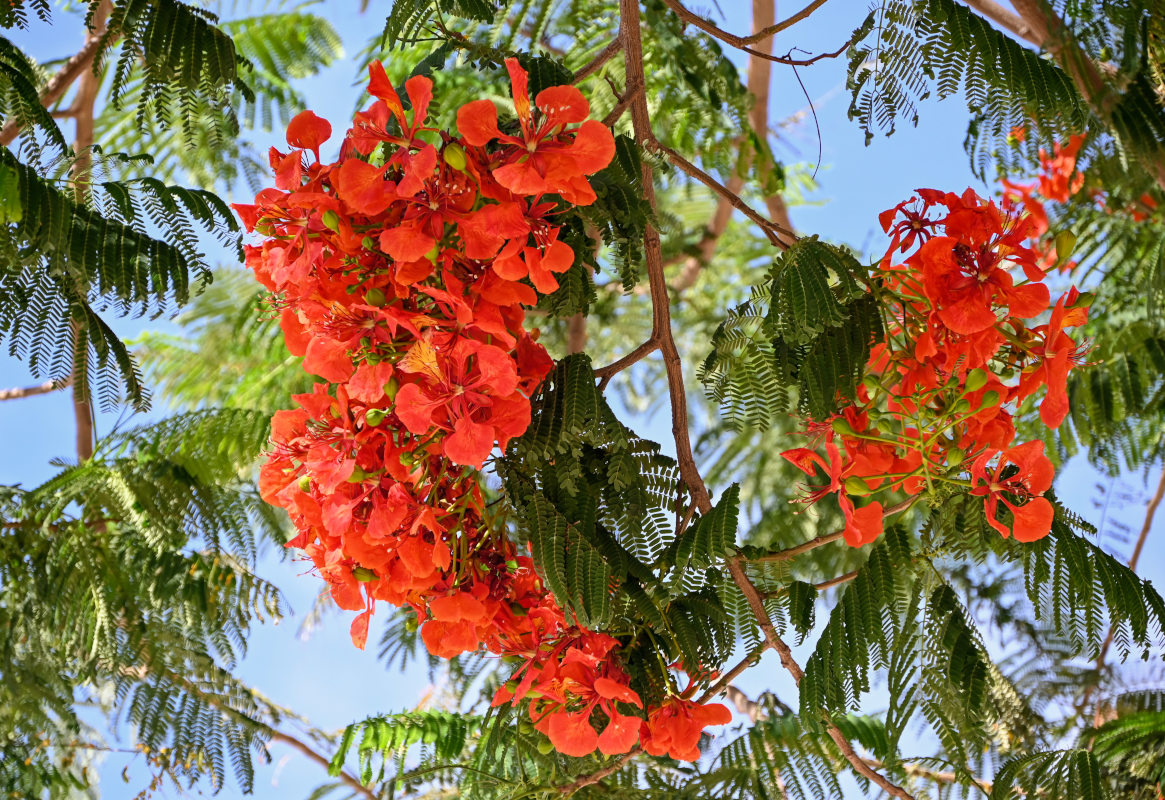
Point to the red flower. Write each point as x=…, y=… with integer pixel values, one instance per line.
x=549, y=156
x=674, y=728
x=307, y=132
x=862, y=525
x=1033, y=519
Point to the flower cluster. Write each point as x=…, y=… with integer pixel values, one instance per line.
x=401, y=273
x=962, y=282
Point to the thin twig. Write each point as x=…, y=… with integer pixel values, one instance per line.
x=598, y=61
x=772, y=230
x=596, y=776
x=741, y=43
x=604, y=374
x=31, y=391
x=774, y=640
x=824, y=539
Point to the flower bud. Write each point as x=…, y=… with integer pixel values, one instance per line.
x=1083, y=300
x=841, y=426
x=363, y=574
x=1065, y=244
x=305, y=483
x=524, y=725
x=369, y=243
x=961, y=407
x=545, y=747
x=454, y=156
x=375, y=297
x=955, y=456
x=976, y=380
x=331, y=220
x=374, y=416
x=990, y=399
x=857, y=486
x=391, y=388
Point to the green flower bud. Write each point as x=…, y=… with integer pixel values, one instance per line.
x=369, y=243
x=962, y=407
x=857, y=486
x=990, y=399
x=955, y=456
x=545, y=747
x=411, y=624
x=391, y=388
x=363, y=574
x=976, y=380
x=375, y=297
x=374, y=416
x=524, y=725
x=842, y=427
x=1084, y=300
x=331, y=220
x=454, y=156
x=1065, y=244
x=305, y=483
x=512, y=565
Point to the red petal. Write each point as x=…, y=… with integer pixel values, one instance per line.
x=406, y=242
x=328, y=359
x=307, y=131
x=613, y=690
x=572, y=734
x=362, y=187
x=1033, y=520
x=470, y=443
x=563, y=105
x=620, y=735
x=478, y=122
x=359, y=629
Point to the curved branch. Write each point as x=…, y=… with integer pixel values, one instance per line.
x=60, y=83
x=741, y=42
x=773, y=230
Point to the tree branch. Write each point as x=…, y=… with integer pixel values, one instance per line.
x=60, y=82
x=604, y=374
x=1004, y=18
x=31, y=391
x=661, y=331
x=741, y=43
x=598, y=61
x=772, y=230
x=773, y=639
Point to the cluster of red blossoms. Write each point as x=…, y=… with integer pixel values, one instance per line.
x=401, y=273
x=962, y=281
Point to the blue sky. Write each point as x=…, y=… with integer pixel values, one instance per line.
x=324, y=677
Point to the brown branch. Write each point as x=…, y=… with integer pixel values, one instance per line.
x=759, y=80
x=773, y=230
x=756, y=603
x=660, y=304
x=60, y=82
x=1005, y=18
x=312, y=755
x=598, y=61
x=740, y=42
x=723, y=682
x=604, y=374
x=596, y=776
x=31, y=391
x=84, y=110
x=821, y=587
